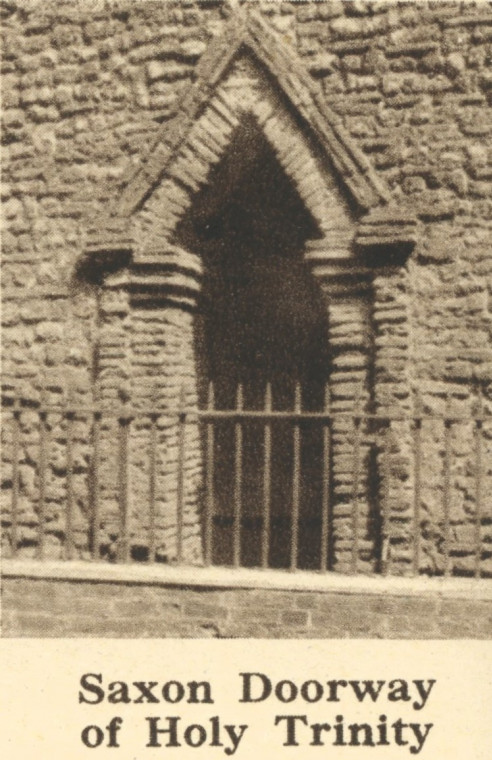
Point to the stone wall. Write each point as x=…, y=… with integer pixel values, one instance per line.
x=89, y=87
x=216, y=607
x=85, y=89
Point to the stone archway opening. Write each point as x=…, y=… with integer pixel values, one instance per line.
x=261, y=321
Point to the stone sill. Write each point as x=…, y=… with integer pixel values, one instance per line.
x=245, y=578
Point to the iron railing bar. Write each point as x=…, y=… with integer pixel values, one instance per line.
x=240, y=415
x=69, y=517
x=323, y=416
x=447, y=490
x=94, y=485
x=15, y=479
x=478, y=488
x=296, y=483
x=43, y=445
x=325, y=494
x=267, y=480
x=191, y=412
x=210, y=476
x=417, y=498
x=238, y=474
x=182, y=419
x=124, y=422
x=357, y=420
x=386, y=511
x=152, y=486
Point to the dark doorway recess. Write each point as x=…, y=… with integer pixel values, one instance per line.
x=262, y=321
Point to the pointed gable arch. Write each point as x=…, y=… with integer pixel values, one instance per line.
x=250, y=36
x=330, y=165
x=246, y=102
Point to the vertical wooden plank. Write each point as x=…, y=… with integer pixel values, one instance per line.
x=267, y=478
x=210, y=478
x=296, y=481
x=180, y=482
x=478, y=484
x=325, y=492
x=238, y=481
x=15, y=476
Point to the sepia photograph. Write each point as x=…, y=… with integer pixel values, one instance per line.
x=247, y=330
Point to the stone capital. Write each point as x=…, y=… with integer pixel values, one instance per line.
x=386, y=235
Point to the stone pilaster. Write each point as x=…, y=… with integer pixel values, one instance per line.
x=345, y=284
x=350, y=386
x=392, y=397
x=164, y=289
x=113, y=359
x=385, y=237
x=367, y=300
x=146, y=361
x=113, y=389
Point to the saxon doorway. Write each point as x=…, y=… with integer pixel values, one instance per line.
x=261, y=343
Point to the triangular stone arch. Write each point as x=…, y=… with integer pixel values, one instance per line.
x=244, y=94
x=251, y=37
x=334, y=166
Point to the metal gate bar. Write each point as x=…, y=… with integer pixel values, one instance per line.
x=210, y=475
x=417, y=498
x=267, y=479
x=325, y=487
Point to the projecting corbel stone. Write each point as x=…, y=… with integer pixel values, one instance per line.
x=335, y=265
x=109, y=246
x=169, y=274
x=386, y=235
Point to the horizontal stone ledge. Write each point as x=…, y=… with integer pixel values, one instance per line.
x=343, y=268
x=373, y=235
x=109, y=237
x=350, y=47
x=338, y=253
x=229, y=578
x=469, y=20
x=411, y=48
x=29, y=294
x=172, y=281
x=155, y=261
